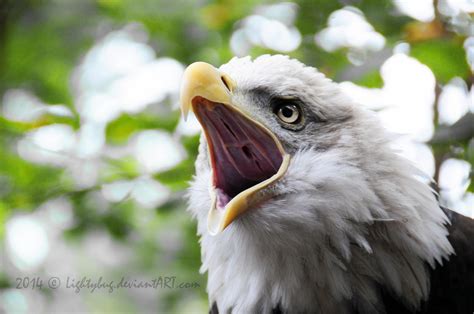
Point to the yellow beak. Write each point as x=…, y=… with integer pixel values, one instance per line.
x=203, y=80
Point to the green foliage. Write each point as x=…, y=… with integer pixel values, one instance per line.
x=371, y=79
x=445, y=57
x=120, y=130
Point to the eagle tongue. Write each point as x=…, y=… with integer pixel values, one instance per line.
x=243, y=154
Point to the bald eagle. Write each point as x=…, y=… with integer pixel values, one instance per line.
x=303, y=207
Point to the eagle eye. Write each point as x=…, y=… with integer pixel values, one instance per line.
x=289, y=113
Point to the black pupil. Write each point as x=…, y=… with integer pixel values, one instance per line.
x=287, y=112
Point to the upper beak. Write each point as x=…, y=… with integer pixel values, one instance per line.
x=201, y=79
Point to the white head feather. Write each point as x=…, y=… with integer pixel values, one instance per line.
x=350, y=216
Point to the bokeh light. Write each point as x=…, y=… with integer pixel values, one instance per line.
x=27, y=242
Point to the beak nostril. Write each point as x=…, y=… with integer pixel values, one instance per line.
x=226, y=83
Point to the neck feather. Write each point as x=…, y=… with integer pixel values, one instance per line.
x=330, y=245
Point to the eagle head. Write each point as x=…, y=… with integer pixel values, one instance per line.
x=301, y=202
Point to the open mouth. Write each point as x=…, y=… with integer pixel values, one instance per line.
x=245, y=156
x=242, y=153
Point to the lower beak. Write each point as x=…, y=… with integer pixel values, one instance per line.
x=208, y=93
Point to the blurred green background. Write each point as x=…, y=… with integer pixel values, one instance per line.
x=95, y=159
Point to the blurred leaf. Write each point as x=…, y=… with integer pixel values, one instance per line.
x=122, y=168
x=191, y=143
x=120, y=130
x=118, y=220
x=372, y=80
x=24, y=176
x=446, y=58
x=177, y=178
x=4, y=212
x=43, y=49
